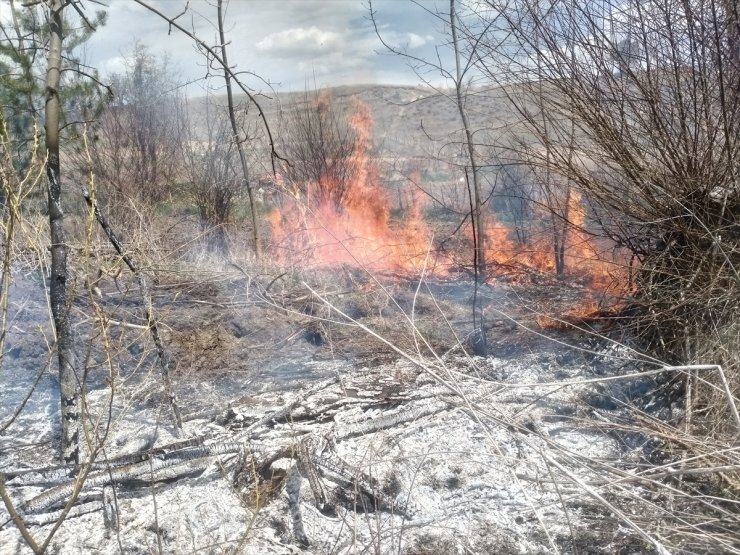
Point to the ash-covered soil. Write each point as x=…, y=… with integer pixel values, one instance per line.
x=307, y=433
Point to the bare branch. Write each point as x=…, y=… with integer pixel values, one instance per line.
x=212, y=52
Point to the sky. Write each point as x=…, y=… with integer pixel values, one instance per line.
x=287, y=43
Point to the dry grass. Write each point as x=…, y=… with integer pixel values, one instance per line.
x=674, y=492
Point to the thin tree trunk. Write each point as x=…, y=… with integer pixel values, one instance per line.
x=565, y=223
x=68, y=377
x=237, y=141
x=561, y=227
x=478, y=341
x=480, y=251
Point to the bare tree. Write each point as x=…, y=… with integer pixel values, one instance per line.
x=461, y=78
x=514, y=201
x=321, y=145
x=137, y=151
x=476, y=195
x=238, y=142
x=213, y=55
x=214, y=174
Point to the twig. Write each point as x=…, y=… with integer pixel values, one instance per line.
x=17, y=519
x=126, y=324
x=725, y=385
x=27, y=397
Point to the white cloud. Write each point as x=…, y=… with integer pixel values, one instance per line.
x=417, y=41
x=299, y=41
x=296, y=39
x=405, y=41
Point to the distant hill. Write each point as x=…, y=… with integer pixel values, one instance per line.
x=417, y=134
x=408, y=121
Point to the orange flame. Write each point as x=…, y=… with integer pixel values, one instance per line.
x=359, y=232
x=581, y=257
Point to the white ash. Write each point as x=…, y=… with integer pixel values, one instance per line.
x=472, y=481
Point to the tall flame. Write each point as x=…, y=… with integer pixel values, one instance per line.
x=357, y=233
x=581, y=258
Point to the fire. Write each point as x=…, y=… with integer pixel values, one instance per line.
x=586, y=312
x=581, y=258
x=358, y=231
x=347, y=221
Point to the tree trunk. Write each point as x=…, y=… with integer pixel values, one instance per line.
x=562, y=227
x=478, y=341
x=68, y=377
x=237, y=141
x=480, y=251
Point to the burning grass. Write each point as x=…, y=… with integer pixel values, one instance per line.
x=343, y=219
x=329, y=222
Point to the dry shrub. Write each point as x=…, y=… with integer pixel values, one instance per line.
x=644, y=123
x=686, y=306
x=135, y=144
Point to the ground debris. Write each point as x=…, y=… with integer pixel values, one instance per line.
x=375, y=456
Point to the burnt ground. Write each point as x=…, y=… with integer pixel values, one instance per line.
x=246, y=345
x=273, y=332
x=272, y=335
x=232, y=335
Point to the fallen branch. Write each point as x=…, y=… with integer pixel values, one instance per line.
x=162, y=467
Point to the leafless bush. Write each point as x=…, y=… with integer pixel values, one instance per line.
x=514, y=199
x=212, y=167
x=136, y=142
x=320, y=145
x=637, y=104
